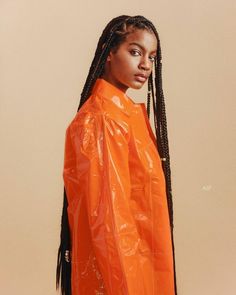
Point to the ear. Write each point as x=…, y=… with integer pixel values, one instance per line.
x=109, y=57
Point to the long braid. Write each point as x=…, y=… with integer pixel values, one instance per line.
x=149, y=95
x=63, y=268
x=162, y=139
x=100, y=56
x=113, y=34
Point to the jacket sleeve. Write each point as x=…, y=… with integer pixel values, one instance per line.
x=98, y=168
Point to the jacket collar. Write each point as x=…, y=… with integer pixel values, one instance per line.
x=114, y=95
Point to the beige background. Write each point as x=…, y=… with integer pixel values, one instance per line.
x=46, y=50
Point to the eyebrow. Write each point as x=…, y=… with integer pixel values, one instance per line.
x=139, y=45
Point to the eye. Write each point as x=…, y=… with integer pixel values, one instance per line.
x=152, y=58
x=135, y=52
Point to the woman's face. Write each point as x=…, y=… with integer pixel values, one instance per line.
x=131, y=64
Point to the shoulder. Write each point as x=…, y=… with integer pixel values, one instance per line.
x=96, y=124
x=91, y=134
x=94, y=117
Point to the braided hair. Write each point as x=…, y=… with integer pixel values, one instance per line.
x=112, y=36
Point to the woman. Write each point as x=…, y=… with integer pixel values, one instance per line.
x=117, y=221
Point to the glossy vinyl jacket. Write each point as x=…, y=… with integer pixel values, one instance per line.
x=117, y=205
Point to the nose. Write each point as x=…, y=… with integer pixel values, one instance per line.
x=145, y=64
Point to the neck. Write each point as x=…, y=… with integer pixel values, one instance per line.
x=115, y=83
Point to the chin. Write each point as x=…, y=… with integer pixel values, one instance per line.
x=136, y=85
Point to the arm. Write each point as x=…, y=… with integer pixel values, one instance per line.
x=101, y=168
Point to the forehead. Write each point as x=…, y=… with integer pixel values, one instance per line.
x=145, y=38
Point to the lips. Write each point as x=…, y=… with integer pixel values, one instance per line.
x=141, y=77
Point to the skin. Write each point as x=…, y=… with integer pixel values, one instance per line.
x=130, y=59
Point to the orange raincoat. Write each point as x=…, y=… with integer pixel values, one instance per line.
x=117, y=206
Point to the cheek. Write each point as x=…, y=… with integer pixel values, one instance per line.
x=117, y=65
x=127, y=60
x=121, y=61
x=129, y=64
x=124, y=65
